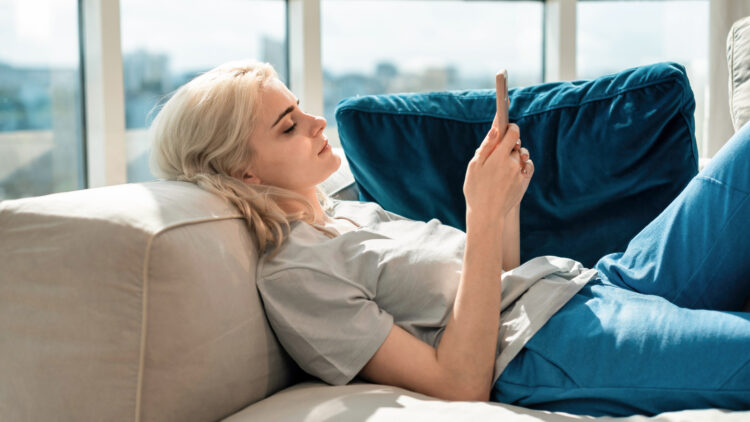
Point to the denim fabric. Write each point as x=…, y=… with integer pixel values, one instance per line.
x=660, y=330
x=609, y=155
x=611, y=351
x=696, y=253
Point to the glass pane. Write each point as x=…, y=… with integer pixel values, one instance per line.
x=616, y=35
x=387, y=46
x=162, y=52
x=41, y=141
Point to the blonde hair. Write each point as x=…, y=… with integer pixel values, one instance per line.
x=201, y=135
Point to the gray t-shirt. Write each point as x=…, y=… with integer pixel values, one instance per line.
x=333, y=301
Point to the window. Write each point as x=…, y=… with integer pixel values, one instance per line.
x=165, y=46
x=386, y=46
x=608, y=40
x=41, y=114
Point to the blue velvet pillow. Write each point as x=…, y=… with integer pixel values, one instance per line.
x=610, y=154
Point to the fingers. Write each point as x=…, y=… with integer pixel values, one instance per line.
x=516, y=156
x=526, y=165
x=488, y=145
x=527, y=168
x=509, y=140
x=511, y=144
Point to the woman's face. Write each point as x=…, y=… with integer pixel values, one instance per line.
x=290, y=149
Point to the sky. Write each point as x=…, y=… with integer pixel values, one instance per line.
x=477, y=36
x=39, y=32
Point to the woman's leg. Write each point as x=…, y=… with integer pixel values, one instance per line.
x=611, y=351
x=696, y=253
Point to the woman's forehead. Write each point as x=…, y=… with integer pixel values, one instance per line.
x=275, y=98
x=275, y=89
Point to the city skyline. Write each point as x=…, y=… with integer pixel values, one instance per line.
x=426, y=46
x=47, y=36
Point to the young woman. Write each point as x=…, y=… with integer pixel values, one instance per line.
x=353, y=290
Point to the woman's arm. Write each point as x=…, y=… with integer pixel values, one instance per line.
x=468, y=346
x=512, y=239
x=462, y=367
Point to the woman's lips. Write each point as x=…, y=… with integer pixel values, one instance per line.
x=324, y=147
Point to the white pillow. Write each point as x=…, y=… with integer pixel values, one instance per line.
x=738, y=62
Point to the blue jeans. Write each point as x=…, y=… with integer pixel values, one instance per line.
x=661, y=328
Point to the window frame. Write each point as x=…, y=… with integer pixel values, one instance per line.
x=104, y=133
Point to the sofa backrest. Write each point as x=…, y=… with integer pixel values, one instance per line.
x=609, y=154
x=131, y=302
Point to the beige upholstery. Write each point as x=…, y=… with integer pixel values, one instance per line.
x=738, y=61
x=359, y=402
x=138, y=303
x=131, y=302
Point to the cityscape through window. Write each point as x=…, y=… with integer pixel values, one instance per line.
x=367, y=47
x=41, y=114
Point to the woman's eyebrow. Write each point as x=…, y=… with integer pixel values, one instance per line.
x=284, y=113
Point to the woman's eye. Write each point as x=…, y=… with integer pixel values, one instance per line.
x=291, y=128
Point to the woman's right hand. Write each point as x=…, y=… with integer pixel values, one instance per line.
x=494, y=181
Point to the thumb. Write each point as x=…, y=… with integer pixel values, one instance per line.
x=488, y=145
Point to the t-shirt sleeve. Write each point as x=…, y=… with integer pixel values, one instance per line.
x=330, y=326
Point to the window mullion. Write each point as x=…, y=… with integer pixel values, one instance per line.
x=105, y=102
x=560, y=40
x=305, y=69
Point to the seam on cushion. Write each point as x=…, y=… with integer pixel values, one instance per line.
x=144, y=308
x=686, y=118
x=443, y=117
x=144, y=300
x=411, y=113
x=608, y=96
x=693, y=141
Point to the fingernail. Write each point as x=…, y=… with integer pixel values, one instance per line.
x=493, y=132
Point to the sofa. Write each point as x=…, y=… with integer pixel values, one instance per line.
x=138, y=301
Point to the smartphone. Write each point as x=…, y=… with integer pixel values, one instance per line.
x=501, y=89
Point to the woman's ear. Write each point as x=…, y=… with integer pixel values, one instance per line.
x=247, y=176
x=250, y=178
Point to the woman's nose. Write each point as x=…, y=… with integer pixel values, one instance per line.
x=319, y=123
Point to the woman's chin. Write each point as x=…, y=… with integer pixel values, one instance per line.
x=334, y=167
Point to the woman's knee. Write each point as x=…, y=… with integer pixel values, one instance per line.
x=729, y=164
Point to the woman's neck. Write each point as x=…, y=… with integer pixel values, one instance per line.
x=312, y=197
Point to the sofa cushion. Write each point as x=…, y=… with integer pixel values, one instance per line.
x=738, y=60
x=316, y=402
x=609, y=154
x=131, y=302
